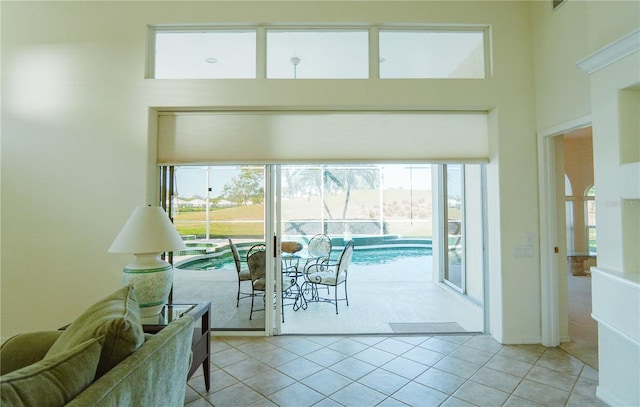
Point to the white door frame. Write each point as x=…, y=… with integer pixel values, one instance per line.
x=549, y=273
x=270, y=242
x=276, y=220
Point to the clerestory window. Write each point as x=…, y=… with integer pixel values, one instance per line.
x=317, y=53
x=432, y=54
x=204, y=54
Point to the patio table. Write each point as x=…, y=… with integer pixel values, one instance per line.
x=291, y=271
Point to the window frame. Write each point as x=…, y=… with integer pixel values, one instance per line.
x=373, y=40
x=454, y=29
x=589, y=201
x=446, y=245
x=152, y=30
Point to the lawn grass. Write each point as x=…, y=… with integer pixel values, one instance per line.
x=222, y=229
x=401, y=217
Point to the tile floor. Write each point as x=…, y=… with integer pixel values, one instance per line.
x=390, y=370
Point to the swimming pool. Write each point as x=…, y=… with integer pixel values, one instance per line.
x=363, y=256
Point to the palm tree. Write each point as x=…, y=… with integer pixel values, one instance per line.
x=331, y=180
x=348, y=178
x=302, y=181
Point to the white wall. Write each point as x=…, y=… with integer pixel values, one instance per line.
x=588, y=27
x=616, y=280
x=560, y=39
x=78, y=137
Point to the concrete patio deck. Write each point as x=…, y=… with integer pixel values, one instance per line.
x=402, y=292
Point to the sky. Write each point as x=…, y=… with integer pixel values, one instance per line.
x=192, y=180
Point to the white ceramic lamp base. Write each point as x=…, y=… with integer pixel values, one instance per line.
x=151, y=279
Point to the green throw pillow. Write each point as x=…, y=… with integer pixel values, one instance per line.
x=52, y=381
x=117, y=318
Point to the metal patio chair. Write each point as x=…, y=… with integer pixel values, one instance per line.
x=243, y=273
x=329, y=274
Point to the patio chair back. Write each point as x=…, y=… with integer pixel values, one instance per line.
x=320, y=246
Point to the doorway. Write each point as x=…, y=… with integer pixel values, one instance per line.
x=581, y=244
x=386, y=210
x=564, y=305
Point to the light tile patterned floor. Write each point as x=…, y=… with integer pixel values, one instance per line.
x=385, y=370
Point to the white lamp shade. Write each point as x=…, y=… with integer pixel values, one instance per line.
x=148, y=230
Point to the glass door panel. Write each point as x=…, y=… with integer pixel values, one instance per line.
x=302, y=200
x=407, y=200
x=454, y=186
x=213, y=205
x=346, y=212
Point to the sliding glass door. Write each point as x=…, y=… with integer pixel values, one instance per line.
x=386, y=210
x=462, y=218
x=454, y=269
x=213, y=207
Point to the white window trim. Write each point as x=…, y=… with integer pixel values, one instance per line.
x=374, y=30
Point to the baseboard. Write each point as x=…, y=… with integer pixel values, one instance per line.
x=525, y=340
x=608, y=398
x=536, y=340
x=518, y=340
x=231, y=332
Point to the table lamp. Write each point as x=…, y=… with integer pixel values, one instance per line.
x=147, y=234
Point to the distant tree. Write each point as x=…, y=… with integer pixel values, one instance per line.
x=247, y=188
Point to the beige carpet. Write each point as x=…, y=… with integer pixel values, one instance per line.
x=583, y=330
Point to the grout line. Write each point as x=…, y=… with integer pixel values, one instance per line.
x=345, y=356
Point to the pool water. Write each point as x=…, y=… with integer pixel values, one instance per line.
x=360, y=257
x=384, y=256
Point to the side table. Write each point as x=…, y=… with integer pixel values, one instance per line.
x=201, y=343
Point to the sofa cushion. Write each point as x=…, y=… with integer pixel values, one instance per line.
x=13, y=355
x=53, y=381
x=117, y=318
